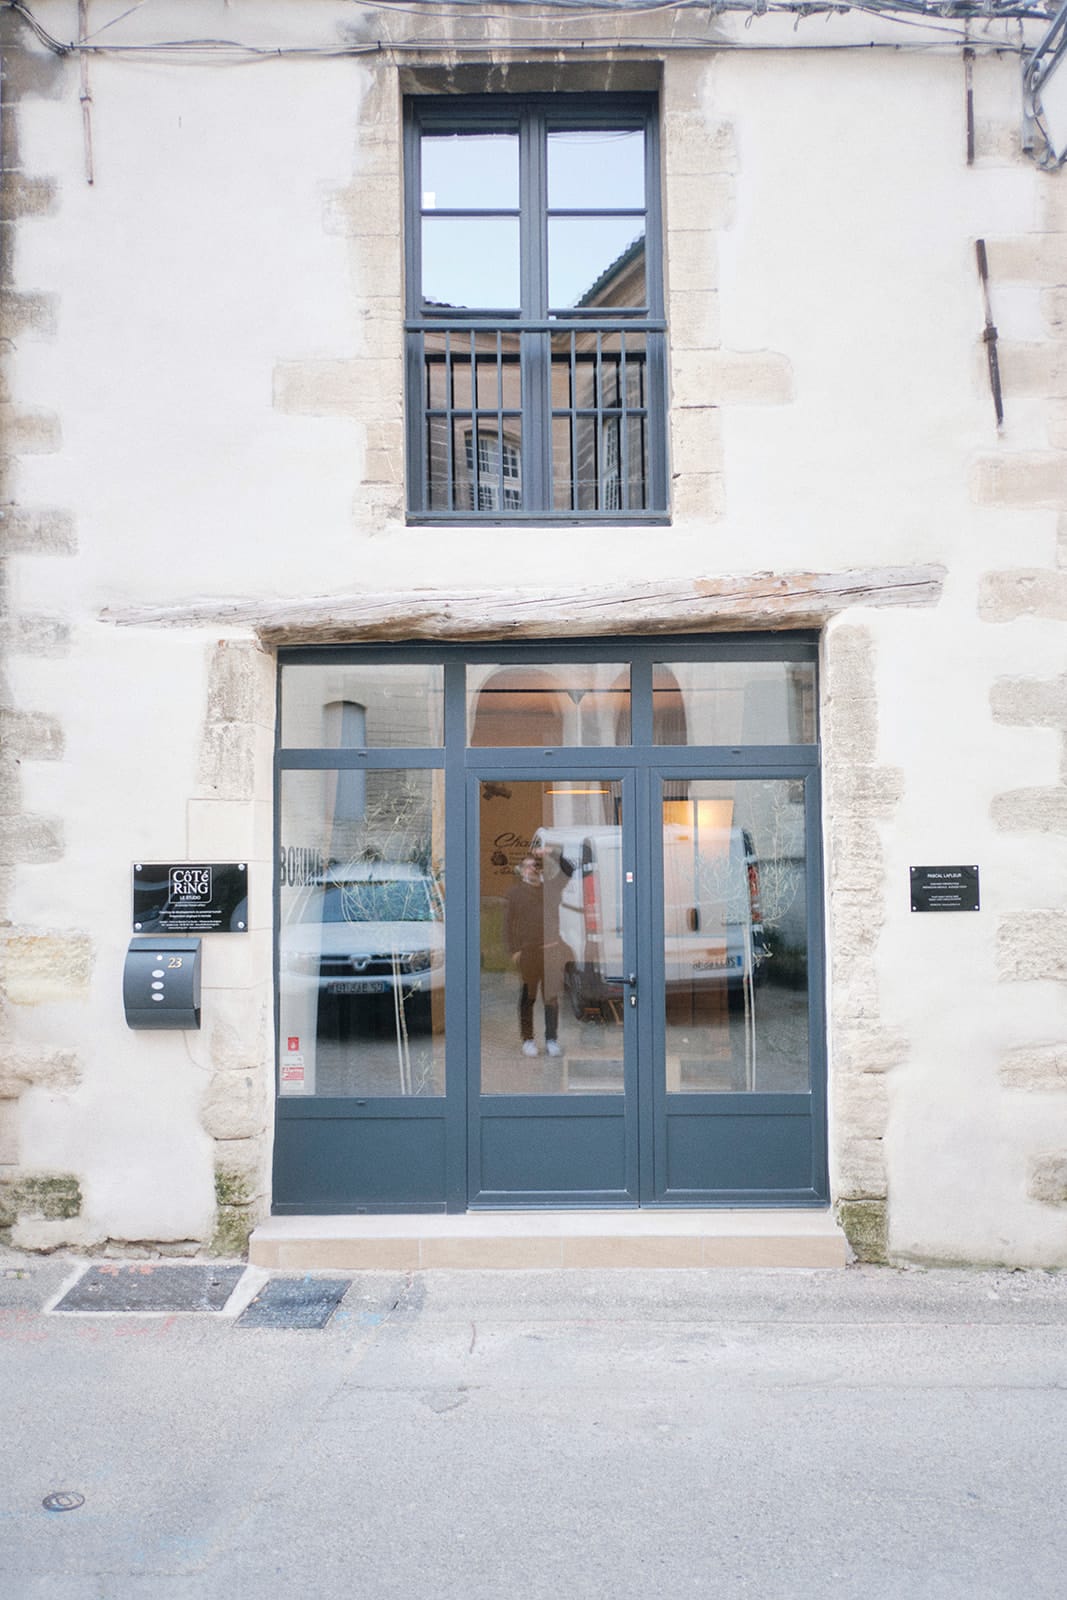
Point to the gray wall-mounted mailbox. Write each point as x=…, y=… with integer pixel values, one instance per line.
x=161, y=983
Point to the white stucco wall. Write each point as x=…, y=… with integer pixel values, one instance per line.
x=196, y=405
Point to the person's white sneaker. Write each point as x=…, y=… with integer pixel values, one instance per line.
x=552, y=1048
x=529, y=1048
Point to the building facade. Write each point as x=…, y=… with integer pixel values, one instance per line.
x=535, y=556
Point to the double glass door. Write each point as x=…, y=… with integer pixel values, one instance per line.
x=549, y=929
x=642, y=1009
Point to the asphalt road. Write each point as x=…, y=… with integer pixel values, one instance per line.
x=478, y=1436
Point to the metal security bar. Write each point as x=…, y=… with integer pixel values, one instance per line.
x=583, y=449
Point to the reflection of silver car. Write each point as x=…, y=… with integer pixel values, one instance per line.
x=379, y=930
x=713, y=933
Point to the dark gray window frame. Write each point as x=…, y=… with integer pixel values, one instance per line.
x=534, y=116
x=311, y=1133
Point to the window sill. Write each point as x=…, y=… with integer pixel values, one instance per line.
x=543, y=519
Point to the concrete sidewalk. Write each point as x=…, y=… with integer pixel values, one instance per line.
x=544, y=1434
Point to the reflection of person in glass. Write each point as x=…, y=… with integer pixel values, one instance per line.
x=531, y=933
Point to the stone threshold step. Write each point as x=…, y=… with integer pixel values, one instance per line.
x=525, y=1239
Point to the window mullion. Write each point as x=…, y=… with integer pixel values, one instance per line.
x=536, y=347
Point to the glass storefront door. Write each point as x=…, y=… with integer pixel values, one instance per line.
x=548, y=927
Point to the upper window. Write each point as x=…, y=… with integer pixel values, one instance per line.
x=536, y=367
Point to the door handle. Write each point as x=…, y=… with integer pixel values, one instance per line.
x=627, y=982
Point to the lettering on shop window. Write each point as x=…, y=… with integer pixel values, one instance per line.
x=299, y=865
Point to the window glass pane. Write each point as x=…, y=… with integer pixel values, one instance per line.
x=583, y=703
x=600, y=169
x=344, y=707
x=596, y=261
x=551, y=909
x=734, y=702
x=361, y=953
x=471, y=262
x=470, y=171
x=735, y=937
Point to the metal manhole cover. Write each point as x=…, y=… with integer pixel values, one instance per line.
x=145, y=1286
x=295, y=1303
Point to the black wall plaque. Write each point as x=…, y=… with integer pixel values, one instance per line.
x=944, y=889
x=190, y=897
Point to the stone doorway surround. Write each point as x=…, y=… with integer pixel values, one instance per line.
x=859, y=795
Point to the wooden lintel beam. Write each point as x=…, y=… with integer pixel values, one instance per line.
x=761, y=600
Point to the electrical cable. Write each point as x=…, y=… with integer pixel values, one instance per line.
x=931, y=14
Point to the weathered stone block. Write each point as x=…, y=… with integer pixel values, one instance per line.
x=31, y=735
x=865, y=791
x=860, y=1105
x=56, y=1070
x=1056, y=424
x=239, y=1048
x=866, y=1227
x=1053, y=204
x=1031, y=810
x=692, y=261
x=9, y=1133
x=235, y=1106
x=237, y=1211
x=34, y=636
x=998, y=144
x=44, y=532
x=698, y=200
x=227, y=768
x=731, y=377
x=1021, y=480
x=30, y=433
x=22, y=196
x=27, y=839
x=871, y=1049
x=365, y=388
x=1032, y=945
x=699, y=496
x=43, y=968
x=1047, y=1179
x=1024, y=592
x=693, y=145
x=27, y=313
x=1036, y=1066
x=371, y=204
x=53, y=1196
x=1054, y=307
x=1033, y=257
x=1030, y=702
x=695, y=319
x=696, y=441
x=1032, y=369
x=241, y=683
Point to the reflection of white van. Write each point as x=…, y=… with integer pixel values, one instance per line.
x=712, y=924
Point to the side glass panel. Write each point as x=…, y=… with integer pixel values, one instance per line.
x=734, y=702
x=577, y=704
x=550, y=888
x=735, y=936
x=345, y=707
x=361, y=952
